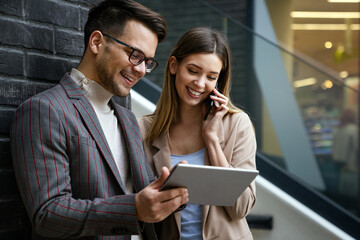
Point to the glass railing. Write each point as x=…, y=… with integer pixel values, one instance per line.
x=325, y=105
x=329, y=109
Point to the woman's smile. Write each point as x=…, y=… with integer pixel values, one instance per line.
x=194, y=93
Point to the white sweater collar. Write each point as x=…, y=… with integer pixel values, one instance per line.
x=97, y=94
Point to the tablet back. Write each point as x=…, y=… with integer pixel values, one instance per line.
x=208, y=185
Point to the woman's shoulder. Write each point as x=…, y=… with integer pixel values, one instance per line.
x=145, y=123
x=240, y=117
x=238, y=126
x=147, y=119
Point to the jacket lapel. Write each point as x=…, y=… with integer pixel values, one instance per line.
x=87, y=113
x=162, y=158
x=132, y=137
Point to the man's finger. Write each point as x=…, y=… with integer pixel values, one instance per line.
x=160, y=181
x=173, y=204
x=181, y=162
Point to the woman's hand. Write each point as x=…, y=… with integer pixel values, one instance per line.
x=210, y=129
x=212, y=123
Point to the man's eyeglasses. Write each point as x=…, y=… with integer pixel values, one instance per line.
x=136, y=57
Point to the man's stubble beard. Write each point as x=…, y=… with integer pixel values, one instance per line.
x=108, y=82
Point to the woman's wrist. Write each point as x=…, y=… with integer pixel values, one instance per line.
x=210, y=139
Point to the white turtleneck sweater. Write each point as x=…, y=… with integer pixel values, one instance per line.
x=99, y=98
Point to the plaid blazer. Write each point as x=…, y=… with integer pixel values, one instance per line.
x=66, y=173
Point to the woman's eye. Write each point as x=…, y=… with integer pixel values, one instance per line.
x=192, y=71
x=212, y=78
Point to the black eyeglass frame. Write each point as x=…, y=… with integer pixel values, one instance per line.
x=153, y=61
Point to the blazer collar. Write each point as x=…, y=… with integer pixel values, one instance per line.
x=163, y=156
x=71, y=88
x=87, y=113
x=133, y=141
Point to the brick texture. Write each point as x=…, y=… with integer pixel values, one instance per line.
x=40, y=40
x=13, y=7
x=55, y=67
x=57, y=13
x=11, y=62
x=21, y=34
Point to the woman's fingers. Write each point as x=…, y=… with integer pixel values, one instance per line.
x=219, y=98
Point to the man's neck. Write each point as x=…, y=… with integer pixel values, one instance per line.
x=87, y=66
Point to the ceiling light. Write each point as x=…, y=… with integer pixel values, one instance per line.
x=328, y=44
x=310, y=14
x=344, y=74
x=326, y=84
x=331, y=27
x=304, y=82
x=344, y=1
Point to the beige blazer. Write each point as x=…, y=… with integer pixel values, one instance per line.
x=237, y=140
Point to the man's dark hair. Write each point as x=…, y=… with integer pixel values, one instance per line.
x=110, y=16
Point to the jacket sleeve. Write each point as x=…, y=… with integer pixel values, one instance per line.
x=242, y=156
x=39, y=143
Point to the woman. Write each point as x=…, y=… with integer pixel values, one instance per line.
x=177, y=131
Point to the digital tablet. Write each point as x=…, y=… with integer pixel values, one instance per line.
x=209, y=185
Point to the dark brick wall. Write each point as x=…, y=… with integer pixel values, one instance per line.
x=40, y=40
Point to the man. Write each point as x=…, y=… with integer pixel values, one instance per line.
x=77, y=155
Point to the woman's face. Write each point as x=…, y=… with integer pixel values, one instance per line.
x=195, y=76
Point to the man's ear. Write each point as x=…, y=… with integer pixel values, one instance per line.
x=173, y=64
x=95, y=41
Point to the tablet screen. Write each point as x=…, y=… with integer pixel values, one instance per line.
x=209, y=185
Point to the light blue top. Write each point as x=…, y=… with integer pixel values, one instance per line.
x=191, y=215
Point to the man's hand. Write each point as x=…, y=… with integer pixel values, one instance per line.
x=153, y=205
